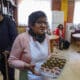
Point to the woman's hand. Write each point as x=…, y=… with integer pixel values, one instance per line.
x=31, y=67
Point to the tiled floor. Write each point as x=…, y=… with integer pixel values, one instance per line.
x=72, y=68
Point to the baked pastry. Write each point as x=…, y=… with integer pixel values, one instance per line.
x=53, y=64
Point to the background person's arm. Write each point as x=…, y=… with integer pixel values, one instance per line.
x=12, y=31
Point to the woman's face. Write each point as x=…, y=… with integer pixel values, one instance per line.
x=40, y=25
x=61, y=27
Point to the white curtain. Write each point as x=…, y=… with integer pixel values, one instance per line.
x=28, y=6
x=76, y=19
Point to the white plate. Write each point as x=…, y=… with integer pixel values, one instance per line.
x=50, y=75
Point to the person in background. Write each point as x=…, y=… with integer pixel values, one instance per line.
x=31, y=48
x=8, y=33
x=60, y=32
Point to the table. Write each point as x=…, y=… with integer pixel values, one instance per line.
x=53, y=38
x=77, y=37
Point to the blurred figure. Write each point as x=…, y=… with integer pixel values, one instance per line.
x=8, y=33
x=60, y=32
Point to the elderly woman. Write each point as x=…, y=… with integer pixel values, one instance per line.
x=31, y=49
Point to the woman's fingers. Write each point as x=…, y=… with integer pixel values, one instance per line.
x=34, y=71
x=37, y=73
x=31, y=67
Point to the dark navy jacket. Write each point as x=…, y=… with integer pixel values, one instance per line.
x=8, y=33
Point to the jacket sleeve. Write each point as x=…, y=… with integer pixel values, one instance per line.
x=14, y=58
x=57, y=31
x=12, y=31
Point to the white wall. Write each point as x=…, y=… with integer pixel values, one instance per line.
x=57, y=18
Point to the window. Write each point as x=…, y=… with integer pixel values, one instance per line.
x=76, y=19
x=28, y=6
